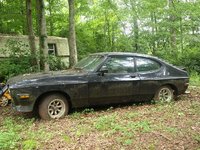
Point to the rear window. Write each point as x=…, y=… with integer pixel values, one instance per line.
x=145, y=65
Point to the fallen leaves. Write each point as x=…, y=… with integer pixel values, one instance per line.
x=174, y=125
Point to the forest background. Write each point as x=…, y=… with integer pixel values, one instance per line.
x=168, y=29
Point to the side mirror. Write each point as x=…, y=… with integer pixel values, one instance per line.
x=103, y=70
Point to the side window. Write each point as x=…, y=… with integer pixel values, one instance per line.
x=120, y=65
x=144, y=65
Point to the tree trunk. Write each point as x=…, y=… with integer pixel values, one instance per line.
x=181, y=33
x=107, y=33
x=50, y=17
x=1, y=19
x=43, y=33
x=38, y=33
x=23, y=12
x=172, y=18
x=153, y=31
x=113, y=38
x=24, y=23
x=37, y=7
x=31, y=35
x=135, y=25
x=72, y=34
x=136, y=34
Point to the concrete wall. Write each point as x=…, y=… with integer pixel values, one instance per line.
x=61, y=45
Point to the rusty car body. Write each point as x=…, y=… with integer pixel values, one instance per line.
x=5, y=97
x=99, y=79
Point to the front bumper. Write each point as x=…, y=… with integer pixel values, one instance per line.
x=22, y=108
x=20, y=102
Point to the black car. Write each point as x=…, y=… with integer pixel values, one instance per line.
x=99, y=79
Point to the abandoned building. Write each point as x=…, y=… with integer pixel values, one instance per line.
x=57, y=46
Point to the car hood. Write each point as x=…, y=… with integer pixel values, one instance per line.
x=52, y=76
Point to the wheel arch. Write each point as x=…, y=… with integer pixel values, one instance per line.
x=43, y=95
x=174, y=88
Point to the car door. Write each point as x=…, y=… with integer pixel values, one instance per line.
x=115, y=82
x=150, y=72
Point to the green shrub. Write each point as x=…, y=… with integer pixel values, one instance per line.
x=30, y=144
x=18, y=61
x=55, y=63
x=194, y=78
x=20, y=58
x=9, y=137
x=19, y=133
x=190, y=59
x=9, y=140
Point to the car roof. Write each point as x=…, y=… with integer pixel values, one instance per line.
x=126, y=54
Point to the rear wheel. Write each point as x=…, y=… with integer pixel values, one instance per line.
x=164, y=94
x=53, y=106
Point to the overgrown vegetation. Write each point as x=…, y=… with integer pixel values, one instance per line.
x=17, y=133
x=175, y=125
x=19, y=52
x=167, y=29
x=20, y=59
x=194, y=79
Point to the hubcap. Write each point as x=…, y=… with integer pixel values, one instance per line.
x=165, y=95
x=56, y=108
x=3, y=101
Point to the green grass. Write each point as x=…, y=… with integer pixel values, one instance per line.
x=194, y=79
x=66, y=138
x=146, y=126
x=197, y=137
x=122, y=125
x=18, y=133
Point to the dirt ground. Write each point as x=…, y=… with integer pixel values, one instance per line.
x=171, y=126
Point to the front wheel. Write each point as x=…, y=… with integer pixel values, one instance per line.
x=53, y=106
x=164, y=94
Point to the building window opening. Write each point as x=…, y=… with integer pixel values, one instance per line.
x=52, y=49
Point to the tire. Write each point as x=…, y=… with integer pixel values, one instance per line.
x=164, y=94
x=54, y=106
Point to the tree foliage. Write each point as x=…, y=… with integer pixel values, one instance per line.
x=165, y=28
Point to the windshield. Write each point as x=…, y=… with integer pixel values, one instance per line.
x=90, y=63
